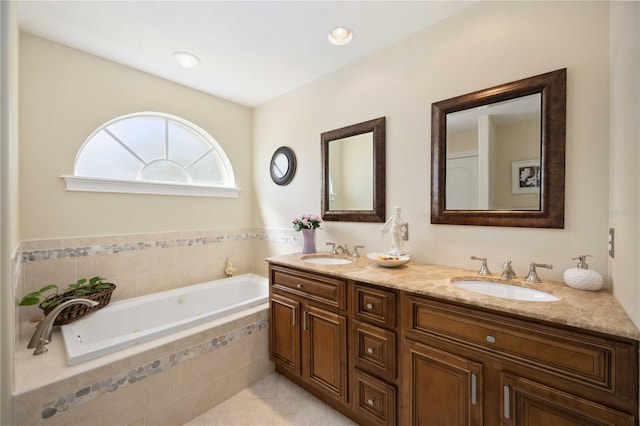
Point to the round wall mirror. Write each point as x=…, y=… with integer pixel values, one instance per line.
x=283, y=165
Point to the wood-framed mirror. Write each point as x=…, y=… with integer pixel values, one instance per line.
x=353, y=172
x=498, y=155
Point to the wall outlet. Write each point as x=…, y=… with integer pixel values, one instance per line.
x=611, y=243
x=405, y=232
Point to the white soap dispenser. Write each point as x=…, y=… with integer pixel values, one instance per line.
x=583, y=278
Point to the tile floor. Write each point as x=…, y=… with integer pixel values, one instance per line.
x=273, y=400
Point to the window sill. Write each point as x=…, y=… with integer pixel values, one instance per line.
x=91, y=184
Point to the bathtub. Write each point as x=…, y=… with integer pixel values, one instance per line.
x=129, y=322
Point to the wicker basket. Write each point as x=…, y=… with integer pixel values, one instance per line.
x=75, y=312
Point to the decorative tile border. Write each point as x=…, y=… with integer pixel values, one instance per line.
x=112, y=384
x=104, y=249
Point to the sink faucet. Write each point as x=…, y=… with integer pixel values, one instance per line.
x=355, y=251
x=532, y=276
x=484, y=269
x=507, y=270
x=343, y=250
x=42, y=335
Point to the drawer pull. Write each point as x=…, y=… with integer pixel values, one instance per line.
x=370, y=350
x=507, y=409
x=474, y=392
x=491, y=339
x=369, y=306
x=371, y=401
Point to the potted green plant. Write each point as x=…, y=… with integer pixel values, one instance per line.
x=96, y=289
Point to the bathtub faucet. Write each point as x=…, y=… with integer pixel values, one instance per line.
x=42, y=335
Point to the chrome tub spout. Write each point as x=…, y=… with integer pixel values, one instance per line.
x=42, y=336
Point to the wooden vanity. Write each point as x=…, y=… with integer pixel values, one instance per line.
x=403, y=346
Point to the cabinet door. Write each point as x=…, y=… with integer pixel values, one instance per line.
x=528, y=403
x=444, y=389
x=284, y=328
x=324, y=353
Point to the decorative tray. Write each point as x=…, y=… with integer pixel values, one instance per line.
x=387, y=260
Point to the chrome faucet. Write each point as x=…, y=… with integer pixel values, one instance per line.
x=484, y=269
x=507, y=270
x=355, y=251
x=343, y=250
x=42, y=336
x=532, y=276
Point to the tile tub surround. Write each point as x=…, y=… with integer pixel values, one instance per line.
x=142, y=264
x=168, y=381
x=595, y=311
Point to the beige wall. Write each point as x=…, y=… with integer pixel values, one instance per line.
x=486, y=45
x=624, y=137
x=55, y=119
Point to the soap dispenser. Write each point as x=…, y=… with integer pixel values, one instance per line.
x=583, y=278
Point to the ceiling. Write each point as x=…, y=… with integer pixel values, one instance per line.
x=250, y=51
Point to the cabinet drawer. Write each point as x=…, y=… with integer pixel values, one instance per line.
x=374, y=350
x=373, y=400
x=574, y=356
x=374, y=305
x=316, y=287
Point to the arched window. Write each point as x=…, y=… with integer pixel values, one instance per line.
x=152, y=153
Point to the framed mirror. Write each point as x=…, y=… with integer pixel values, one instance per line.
x=498, y=155
x=353, y=172
x=283, y=165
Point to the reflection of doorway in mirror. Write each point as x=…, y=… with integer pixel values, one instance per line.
x=462, y=181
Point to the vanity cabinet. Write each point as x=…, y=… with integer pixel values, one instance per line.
x=470, y=367
x=384, y=356
x=308, y=332
x=373, y=351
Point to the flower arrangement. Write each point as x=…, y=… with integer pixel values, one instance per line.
x=306, y=221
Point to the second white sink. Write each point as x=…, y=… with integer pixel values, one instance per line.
x=506, y=291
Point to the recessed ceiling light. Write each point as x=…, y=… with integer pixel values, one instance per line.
x=340, y=36
x=186, y=59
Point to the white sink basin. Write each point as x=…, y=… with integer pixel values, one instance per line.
x=506, y=291
x=325, y=259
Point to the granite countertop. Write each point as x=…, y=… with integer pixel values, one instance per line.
x=596, y=311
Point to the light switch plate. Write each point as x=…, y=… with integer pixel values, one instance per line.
x=611, y=243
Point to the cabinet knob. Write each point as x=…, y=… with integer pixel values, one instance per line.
x=370, y=350
x=491, y=339
x=371, y=401
x=299, y=285
x=369, y=306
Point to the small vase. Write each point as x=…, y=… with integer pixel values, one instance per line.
x=309, y=241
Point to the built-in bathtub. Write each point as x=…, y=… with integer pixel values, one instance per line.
x=167, y=374
x=132, y=321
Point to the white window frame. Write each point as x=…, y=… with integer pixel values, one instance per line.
x=105, y=184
